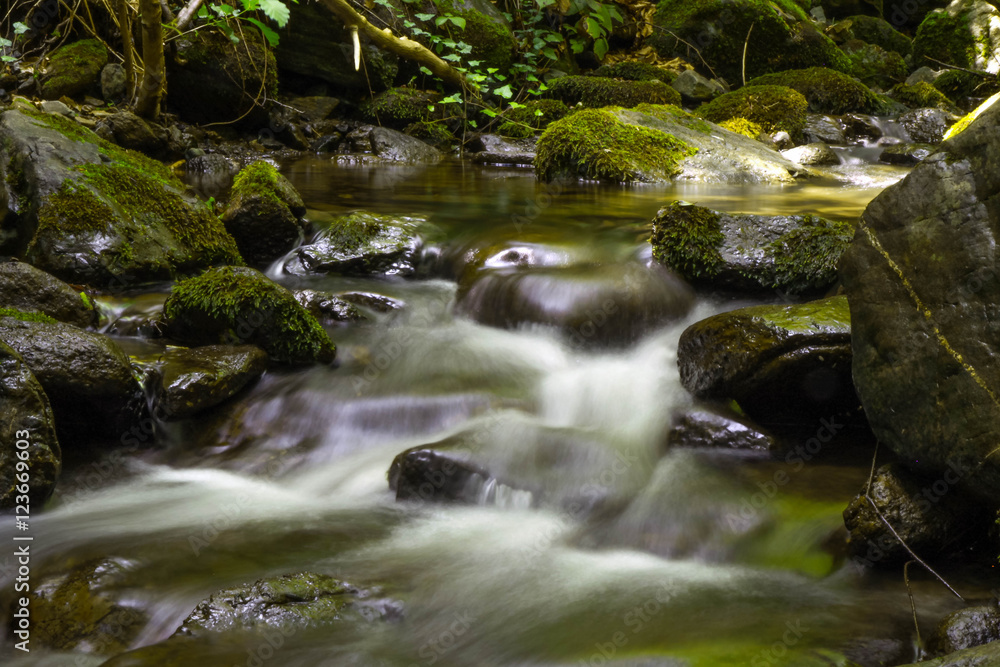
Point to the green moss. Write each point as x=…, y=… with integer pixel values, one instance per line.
x=593, y=143
x=490, y=36
x=74, y=67
x=807, y=256
x=958, y=85
x=257, y=179
x=672, y=113
x=593, y=91
x=743, y=126
x=966, y=120
x=26, y=316
x=435, y=133
x=774, y=108
x=687, y=239
x=826, y=91
x=921, y=95
x=876, y=66
x=400, y=106
x=533, y=115
x=636, y=71
x=948, y=38
x=880, y=32
x=237, y=304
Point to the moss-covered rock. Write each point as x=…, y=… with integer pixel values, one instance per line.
x=240, y=305
x=747, y=128
x=25, y=417
x=775, y=108
x=875, y=66
x=749, y=252
x=73, y=69
x=486, y=30
x=90, y=212
x=922, y=95
x=594, y=91
x=636, y=71
x=878, y=31
x=965, y=34
x=718, y=29
x=826, y=91
x=534, y=115
x=264, y=214
x=214, y=80
x=654, y=143
x=25, y=288
x=400, y=106
x=967, y=119
x=963, y=87
x=432, y=133
x=782, y=364
x=361, y=244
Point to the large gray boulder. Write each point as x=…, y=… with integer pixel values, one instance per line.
x=922, y=282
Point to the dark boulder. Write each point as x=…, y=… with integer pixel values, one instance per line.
x=966, y=628
x=782, y=364
x=129, y=131
x=332, y=308
x=361, y=244
x=25, y=288
x=794, y=253
x=905, y=154
x=25, y=417
x=927, y=126
x=710, y=426
x=193, y=380
x=393, y=146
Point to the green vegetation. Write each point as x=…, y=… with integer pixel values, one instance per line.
x=826, y=91
x=774, y=108
x=593, y=91
x=876, y=66
x=238, y=304
x=880, y=32
x=921, y=95
x=399, y=107
x=636, y=71
x=595, y=144
x=435, y=133
x=958, y=85
x=73, y=68
x=807, y=256
x=26, y=317
x=950, y=39
x=687, y=238
x=747, y=128
x=524, y=120
x=671, y=113
x=966, y=120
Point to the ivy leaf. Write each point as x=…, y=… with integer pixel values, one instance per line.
x=440, y=20
x=490, y=112
x=451, y=99
x=453, y=57
x=270, y=35
x=276, y=10
x=20, y=28
x=458, y=20
x=423, y=17
x=504, y=92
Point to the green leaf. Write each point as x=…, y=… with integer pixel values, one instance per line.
x=553, y=37
x=408, y=23
x=451, y=99
x=504, y=92
x=593, y=28
x=577, y=45
x=423, y=17
x=474, y=124
x=516, y=105
x=550, y=53
x=542, y=4
x=600, y=48
x=490, y=112
x=458, y=20
x=539, y=112
x=430, y=107
x=453, y=57
x=426, y=71
x=4, y=43
x=475, y=63
x=20, y=28
x=439, y=21
x=8, y=59
x=276, y=10
x=270, y=35
x=203, y=12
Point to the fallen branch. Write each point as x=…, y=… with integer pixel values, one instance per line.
x=401, y=46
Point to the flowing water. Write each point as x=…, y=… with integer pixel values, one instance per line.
x=600, y=546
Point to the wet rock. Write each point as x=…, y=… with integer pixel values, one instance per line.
x=113, y=83
x=826, y=90
x=965, y=628
x=695, y=88
x=858, y=128
x=782, y=364
x=881, y=32
x=591, y=305
x=129, y=131
x=812, y=154
x=264, y=214
x=979, y=656
x=824, y=129
x=330, y=308
x=213, y=79
x=711, y=426
x=240, y=305
x=88, y=212
x=87, y=377
x=504, y=152
x=25, y=415
x=423, y=474
x=142, y=317
x=655, y=144
x=394, y=146
x=749, y=252
x=875, y=66
x=315, y=109
x=930, y=515
x=25, y=288
x=923, y=75
x=376, y=302
x=83, y=610
x=361, y=244
x=905, y=154
x=192, y=380
x=927, y=126
x=925, y=373
x=73, y=69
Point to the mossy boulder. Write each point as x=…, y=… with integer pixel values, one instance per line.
x=534, y=115
x=213, y=80
x=966, y=89
x=400, y=106
x=25, y=288
x=825, y=90
x=747, y=128
x=88, y=378
x=73, y=69
x=264, y=214
x=361, y=244
x=193, y=380
x=25, y=416
x=783, y=365
x=432, y=133
x=782, y=38
x=636, y=71
x=486, y=30
x=595, y=91
x=775, y=108
x=654, y=143
x=922, y=95
x=793, y=253
x=89, y=212
x=878, y=31
x=965, y=34
x=241, y=305
x=875, y=66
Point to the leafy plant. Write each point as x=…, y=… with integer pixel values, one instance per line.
x=6, y=44
x=222, y=15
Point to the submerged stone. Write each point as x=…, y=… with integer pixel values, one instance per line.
x=715, y=427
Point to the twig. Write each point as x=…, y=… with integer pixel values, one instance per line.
x=950, y=66
x=913, y=606
x=745, y=44
x=871, y=474
x=691, y=46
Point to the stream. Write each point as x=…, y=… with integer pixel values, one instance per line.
x=606, y=548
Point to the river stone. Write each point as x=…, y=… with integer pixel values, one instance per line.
x=739, y=251
x=927, y=126
x=113, y=83
x=361, y=244
x=329, y=308
x=824, y=129
x=986, y=655
x=614, y=304
x=82, y=610
x=812, y=154
x=495, y=150
x=966, y=628
x=25, y=407
x=375, y=302
x=921, y=279
x=429, y=475
x=712, y=426
x=905, y=154
x=192, y=380
x=89, y=212
x=782, y=364
x=394, y=146
x=87, y=377
x=694, y=88
x=73, y=69
x=129, y=131
x=928, y=514
x=25, y=288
